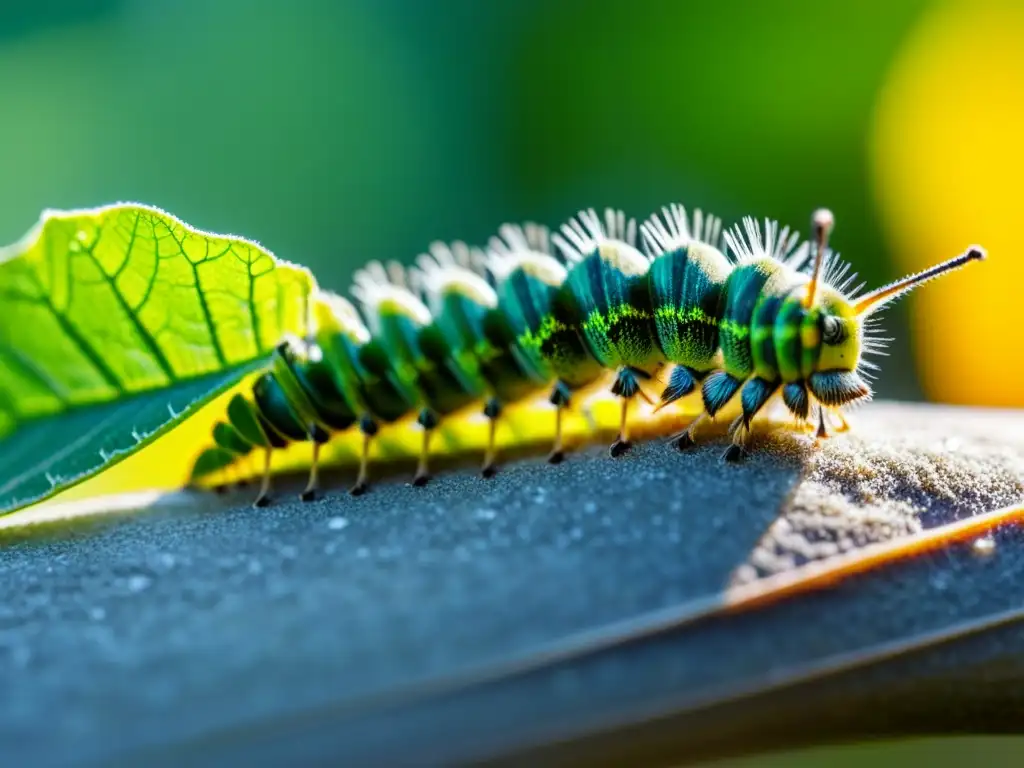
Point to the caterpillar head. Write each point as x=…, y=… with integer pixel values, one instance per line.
x=835, y=329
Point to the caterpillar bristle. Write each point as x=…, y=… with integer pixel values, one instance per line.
x=465, y=331
x=378, y=288
x=448, y=268
x=747, y=243
x=579, y=236
x=671, y=230
x=538, y=237
x=585, y=232
x=517, y=238
x=529, y=245
x=396, y=274
x=444, y=254
x=837, y=272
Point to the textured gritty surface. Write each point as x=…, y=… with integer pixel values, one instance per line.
x=174, y=626
x=897, y=472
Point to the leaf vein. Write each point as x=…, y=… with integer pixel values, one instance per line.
x=147, y=338
x=17, y=358
x=254, y=319
x=203, y=304
x=72, y=332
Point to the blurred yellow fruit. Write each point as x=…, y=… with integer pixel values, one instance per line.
x=948, y=156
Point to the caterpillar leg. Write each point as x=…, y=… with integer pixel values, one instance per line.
x=313, y=484
x=844, y=425
x=369, y=428
x=492, y=410
x=318, y=438
x=681, y=382
x=740, y=431
x=622, y=444
x=718, y=389
x=754, y=396
x=626, y=386
x=685, y=439
x=263, y=498
x=428, y=420
x=822, y=432
x=794, y=395
x=560, y=399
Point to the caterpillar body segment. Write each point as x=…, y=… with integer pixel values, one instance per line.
x=746, y=315
x=362, y=369
x=478, y=338
x=440, y=381
x=538, y=310
x=686, y=282
x=521, y=262
x=607, y=298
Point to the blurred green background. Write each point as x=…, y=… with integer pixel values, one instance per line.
x=334, y=132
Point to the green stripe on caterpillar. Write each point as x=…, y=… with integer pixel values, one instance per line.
x=747, y=313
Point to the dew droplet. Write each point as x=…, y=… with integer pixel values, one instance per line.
x=939, y=581
x=984, y=547
x=139, y=582
x=486, y=514
x=337, y=523
x=165, y=560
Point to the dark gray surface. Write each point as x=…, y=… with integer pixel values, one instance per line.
x=158, y=629
x=351, y=628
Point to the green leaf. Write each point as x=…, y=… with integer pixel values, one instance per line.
x=117, y=323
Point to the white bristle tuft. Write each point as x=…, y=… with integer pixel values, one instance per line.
x=374, y=285
x=449, y=267
x=517, y=245
x=584, y=233
x=748, y=243
x=672, y=230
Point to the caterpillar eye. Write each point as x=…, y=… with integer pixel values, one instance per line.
x=832, y=330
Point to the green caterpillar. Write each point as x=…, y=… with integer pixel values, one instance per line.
x=747, y=313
